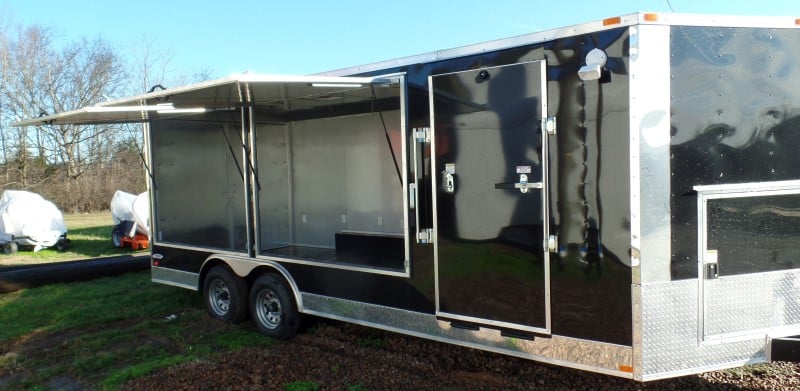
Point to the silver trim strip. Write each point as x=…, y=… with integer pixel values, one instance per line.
x=174, y=277
x=195, y=248
x=339, y=266
x=404, y=168
x=752, y=188
x=545, y=192
x=433, y=237
x=575, y=353
x=649, y=197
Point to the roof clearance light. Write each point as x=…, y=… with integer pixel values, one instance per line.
x=651, y=17
x=612, y=21
x=182, y=111
x=797, y=22
x=122, y=109
x=336, y=85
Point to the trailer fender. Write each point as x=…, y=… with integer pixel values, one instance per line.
x=250, y=269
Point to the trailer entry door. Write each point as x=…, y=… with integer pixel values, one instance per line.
x=490, y=194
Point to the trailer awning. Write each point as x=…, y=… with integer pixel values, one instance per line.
x=278, y=93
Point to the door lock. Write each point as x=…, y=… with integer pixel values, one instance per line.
x=448, y=182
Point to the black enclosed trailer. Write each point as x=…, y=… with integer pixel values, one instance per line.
x=620, y=196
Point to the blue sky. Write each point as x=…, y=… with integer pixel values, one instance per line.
x=302, y=37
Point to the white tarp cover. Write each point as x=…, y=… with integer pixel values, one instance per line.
x=126, y=206
x=30, y=219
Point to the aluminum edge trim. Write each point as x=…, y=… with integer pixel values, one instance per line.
x=404, y=170
x=338, y=266
x=636, y=277
x=434, y=236
x=545, y=192
x=578, y=29
x=419, y=324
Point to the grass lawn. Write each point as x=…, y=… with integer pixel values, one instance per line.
x=90, y=234
x=101, y=333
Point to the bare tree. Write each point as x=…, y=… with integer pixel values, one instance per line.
x=39, y=79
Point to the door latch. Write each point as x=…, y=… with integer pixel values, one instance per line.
x=448, y=182
x=523, y=185
x=712, y=264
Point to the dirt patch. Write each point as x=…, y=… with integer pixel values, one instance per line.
x=338, y=356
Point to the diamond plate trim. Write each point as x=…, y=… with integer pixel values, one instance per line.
x=751, y=302
x=670, y=345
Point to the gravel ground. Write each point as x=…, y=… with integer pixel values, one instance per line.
x=338, y=356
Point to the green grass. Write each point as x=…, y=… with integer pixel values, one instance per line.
x=104, y=332
x=90, y=234
x=301, y=386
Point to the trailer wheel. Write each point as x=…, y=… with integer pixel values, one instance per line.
x=273, y=308
x=225, y=295
x=10, y=248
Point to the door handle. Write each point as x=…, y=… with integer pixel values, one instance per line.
x=421, y=136
x=523, y=185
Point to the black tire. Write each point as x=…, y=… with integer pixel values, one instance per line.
x=63, y=244
x=10, y=248
x=225, y=295
x=116, y=239
x=273, y=307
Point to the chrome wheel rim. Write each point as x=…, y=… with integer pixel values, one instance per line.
x=219, y=296
x=268, y=309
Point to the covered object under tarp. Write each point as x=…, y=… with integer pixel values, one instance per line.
x=27, y=219
x=129, y=207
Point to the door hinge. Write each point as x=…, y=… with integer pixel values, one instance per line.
x=550, y=125
x=551, y=244
x=422, y=135
x=425, y=236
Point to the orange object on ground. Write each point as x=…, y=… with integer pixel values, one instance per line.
x=137, y=242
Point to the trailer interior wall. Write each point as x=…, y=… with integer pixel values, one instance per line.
x=718, y=195
x=324, y=178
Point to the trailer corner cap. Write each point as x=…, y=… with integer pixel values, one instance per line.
x=595, y=61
